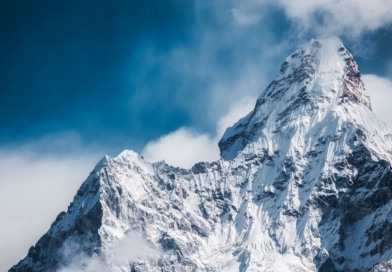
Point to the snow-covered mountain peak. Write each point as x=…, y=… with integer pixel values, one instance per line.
x=324, y=53
x=129, y=156
x=126, y=156
x=330, y=61
x=322, y=61
x=317, y=83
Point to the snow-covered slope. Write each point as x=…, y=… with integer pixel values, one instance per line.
x=304, y=184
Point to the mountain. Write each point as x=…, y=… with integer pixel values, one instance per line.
x=304, y=183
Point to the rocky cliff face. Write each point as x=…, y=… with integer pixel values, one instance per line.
x=304, y=184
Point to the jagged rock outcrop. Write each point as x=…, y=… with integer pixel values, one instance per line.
x=304, y=184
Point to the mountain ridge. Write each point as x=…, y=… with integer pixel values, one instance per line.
x=304, y=184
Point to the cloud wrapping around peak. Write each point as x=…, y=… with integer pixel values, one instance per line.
x=349, y=17
x=325, y=17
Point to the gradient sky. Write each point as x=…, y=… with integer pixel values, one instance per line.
x=80, y=79
x=121, y=73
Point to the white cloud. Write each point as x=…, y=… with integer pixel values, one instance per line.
x=185, y=147
x=350, y=17
x=35, y=188
x=380, y=92
x=324, y=17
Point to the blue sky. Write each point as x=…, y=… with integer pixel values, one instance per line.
x=80, y=79
x=119, y=74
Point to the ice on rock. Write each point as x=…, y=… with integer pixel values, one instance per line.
x=304, y=184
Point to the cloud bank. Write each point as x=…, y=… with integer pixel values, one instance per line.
x=35, y=188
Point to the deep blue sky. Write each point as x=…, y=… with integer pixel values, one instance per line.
x=121, y=73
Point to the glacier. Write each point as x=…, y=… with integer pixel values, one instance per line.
x=304, y=183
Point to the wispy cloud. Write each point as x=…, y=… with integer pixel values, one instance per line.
x=233, y=58
x=130, y=248
x=329, y=18
x=75, y=260
x=245, y=18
